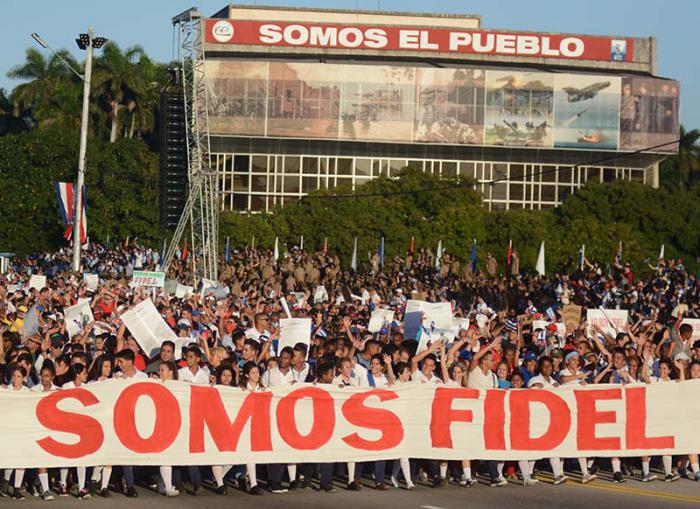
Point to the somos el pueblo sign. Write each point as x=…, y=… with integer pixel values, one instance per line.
x=396, y=38
x=151, y=423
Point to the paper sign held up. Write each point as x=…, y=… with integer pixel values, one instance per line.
x=148, y=327
x=37, y=282
x=380, y=319
x=77, y=317
x=293, y=331
x=148, y=279
x=611, y=321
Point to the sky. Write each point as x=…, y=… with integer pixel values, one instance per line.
x=147, y=23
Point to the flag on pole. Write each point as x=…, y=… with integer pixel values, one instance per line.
x=277, y=249
x=539, y=266
x=439, y=255
x=325, y=245
x=252, y=243
x=412, y=246
x=582, y=257
x=301, y=243
x=474, y=256
x=509, y=254
x=184, y=251
x=381, y=252
x=227, y=251
x=66, y=203
x=353, y=262
x=661, y=252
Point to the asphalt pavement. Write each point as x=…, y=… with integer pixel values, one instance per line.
x=601, y=493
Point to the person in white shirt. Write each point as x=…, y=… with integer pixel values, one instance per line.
x=376, y=377
x=346, y=377
x=250, y=381
x=665, y=370
x=167, y=370
x=261, y=322
x=282, y=373
x=193, y=372
x=573, y=375
x=16, y=386
x=45, y=384
x=481, y=376
x=300, y=369
x=427, y=362
x=545, y=380
x=127, y=371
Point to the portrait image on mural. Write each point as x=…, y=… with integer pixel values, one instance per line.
x=376, y=102
x=519, y=109
x=587, y=111
x=649, y=114
x=237, y=92
x=449, y=106
x=302, y=102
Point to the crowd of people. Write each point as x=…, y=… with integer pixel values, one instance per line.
x=236, y=333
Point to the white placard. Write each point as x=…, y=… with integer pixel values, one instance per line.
x=91, y=281
x=150, y=279
x=207, y=285
x=31, y=322
x=610, y=321
x=300, y=298
x=321, y=294
x=293, y=331
x=379, y=319
x=148, y=327
x=183, y=291
x=459, y=324
x=433, y=315
x=37, y=281
x=77, y=317
x=181, y=343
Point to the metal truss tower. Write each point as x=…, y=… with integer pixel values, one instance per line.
x=201, y=211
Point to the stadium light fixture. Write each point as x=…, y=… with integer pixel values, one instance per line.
x=41, y=42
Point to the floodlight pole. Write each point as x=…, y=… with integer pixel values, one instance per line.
x=78, y=191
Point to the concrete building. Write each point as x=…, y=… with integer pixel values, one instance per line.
x=302, y=99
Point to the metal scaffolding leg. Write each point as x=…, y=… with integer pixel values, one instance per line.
x=201, y=211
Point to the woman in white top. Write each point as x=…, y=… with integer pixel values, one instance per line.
x=572, y=375
x=665, y=371
x=226, y=376
x=377, y=366
x=46, y=376
x=346, y=376
x=167, y=371
x=455, y=374
x=16, y=386
x=250, y=381
x=401, y=374
x=80, y=377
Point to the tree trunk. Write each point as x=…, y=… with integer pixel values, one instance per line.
x=115, y=126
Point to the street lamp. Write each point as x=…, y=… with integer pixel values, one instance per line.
x=86, y=42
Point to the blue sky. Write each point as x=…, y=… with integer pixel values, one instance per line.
x=147, y=23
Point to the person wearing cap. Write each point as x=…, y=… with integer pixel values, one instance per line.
x=529, y=366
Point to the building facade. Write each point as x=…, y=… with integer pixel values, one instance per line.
x=301, y=100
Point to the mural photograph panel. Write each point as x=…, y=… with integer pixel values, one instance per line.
x=587, y=111
x=303, y=100
x=377, y=102
x=649, y=114
x=449, y=106
x=237, y=91
x=519, y=109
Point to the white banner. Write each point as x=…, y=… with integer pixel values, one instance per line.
x=148, y=422
x=148, y=279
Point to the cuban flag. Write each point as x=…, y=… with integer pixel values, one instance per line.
x=66, y=200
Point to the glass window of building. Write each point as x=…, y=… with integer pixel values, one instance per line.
x=258, y=164
x=363, y=167
x=292, y=165
x=344, y=166
x=449, y=169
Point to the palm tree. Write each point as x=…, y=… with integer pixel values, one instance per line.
x=43, y=77
x=12, y=119
x=117, y=79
